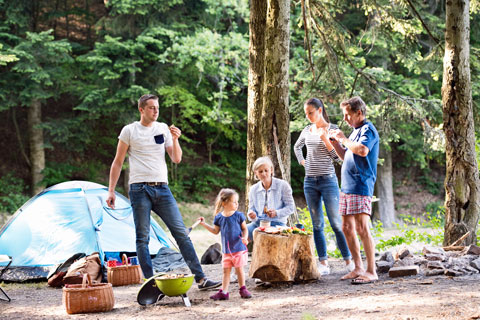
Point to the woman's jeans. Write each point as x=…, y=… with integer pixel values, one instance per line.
x=325, y=188
x=145, y=198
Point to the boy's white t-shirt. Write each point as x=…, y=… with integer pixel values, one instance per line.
x=146, y=150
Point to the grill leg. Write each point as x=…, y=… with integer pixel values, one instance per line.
x=6, y=295
x=186, y=300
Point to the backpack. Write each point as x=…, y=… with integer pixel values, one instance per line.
x=213, y=255
x=55, y=277
x=90, y=264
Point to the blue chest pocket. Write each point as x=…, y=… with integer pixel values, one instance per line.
x=159, y=139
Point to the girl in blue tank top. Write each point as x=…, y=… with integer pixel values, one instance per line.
x=231, y=224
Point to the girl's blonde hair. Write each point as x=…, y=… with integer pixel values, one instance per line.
x=261, y=162
x=224, y=195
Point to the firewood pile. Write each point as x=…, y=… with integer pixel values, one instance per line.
x=450, y=261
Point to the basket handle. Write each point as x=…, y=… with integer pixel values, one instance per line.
x=124, y=259
x=87, y=281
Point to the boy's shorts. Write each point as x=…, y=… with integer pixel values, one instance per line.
x=235, y=260
x=355, y=204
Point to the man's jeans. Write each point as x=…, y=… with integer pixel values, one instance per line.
x=145, y=198
x=325, y=188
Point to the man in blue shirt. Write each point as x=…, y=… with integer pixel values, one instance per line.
x=359, y=153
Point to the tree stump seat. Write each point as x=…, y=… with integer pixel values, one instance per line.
x=283, y=257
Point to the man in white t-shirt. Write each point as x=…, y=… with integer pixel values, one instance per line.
x=146, y=141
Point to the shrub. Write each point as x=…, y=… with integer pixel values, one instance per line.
x=13, y=193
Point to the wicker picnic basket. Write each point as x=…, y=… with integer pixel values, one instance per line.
x=125, y=274
x=88, y=296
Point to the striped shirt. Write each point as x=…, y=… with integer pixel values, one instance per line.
x=319, y=160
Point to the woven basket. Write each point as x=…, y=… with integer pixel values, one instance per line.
x=88, y=297
x=124, y=275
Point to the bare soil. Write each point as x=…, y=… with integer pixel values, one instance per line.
x=414, y=297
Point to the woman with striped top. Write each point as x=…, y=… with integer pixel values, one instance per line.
x=321, y=182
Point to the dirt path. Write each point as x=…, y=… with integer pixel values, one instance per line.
x=415, y=297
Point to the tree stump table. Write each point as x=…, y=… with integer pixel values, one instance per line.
x=283, y=257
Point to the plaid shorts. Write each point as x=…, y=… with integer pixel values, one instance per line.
x=355, y=204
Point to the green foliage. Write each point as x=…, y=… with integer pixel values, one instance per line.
x=194, y=55
x=308, y=316
x=432, y=186
x=41, y=70
x=477, y=150
x=57, y=172
x=435, y=215
x=12, y=193
x=6, y=58
x=63, y=171
x=193, y=182
x=427, y=231
x=141, y=7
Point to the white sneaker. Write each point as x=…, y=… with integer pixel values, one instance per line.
x=350, y=266
x=323, y=269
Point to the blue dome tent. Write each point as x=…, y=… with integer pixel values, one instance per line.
x=69, y=218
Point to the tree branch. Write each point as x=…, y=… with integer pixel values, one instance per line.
x=423, y=24
x=309, y=48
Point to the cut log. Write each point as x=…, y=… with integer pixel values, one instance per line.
x=279, y=258
x=403, y=271
x=454, y=248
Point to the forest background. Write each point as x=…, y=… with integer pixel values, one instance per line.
x=71, y=72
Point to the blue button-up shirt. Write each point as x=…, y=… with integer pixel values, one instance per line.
x=279, y=197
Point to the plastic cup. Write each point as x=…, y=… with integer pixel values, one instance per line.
x=133, y=261
x=264, y=223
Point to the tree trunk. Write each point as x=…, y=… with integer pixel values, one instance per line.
x=275, y=118
x=386, y=203
x=283, y=258
x=268, y=115
x=461, y=181
x=258, y=18
x=37, y=151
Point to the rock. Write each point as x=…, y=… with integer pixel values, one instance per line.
x=434, y=250
x=472, y=249
x=434, y=272
x=470, y=269
x=454, y=254
x=408, y=261
x=460, y=262
x=475, y=263
x=419, y=260
x=403, y=271
x=387, y=256
x=435, y=265
x=454, y=273
x=403, y=253
x=383, y=266
x=435, y=257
